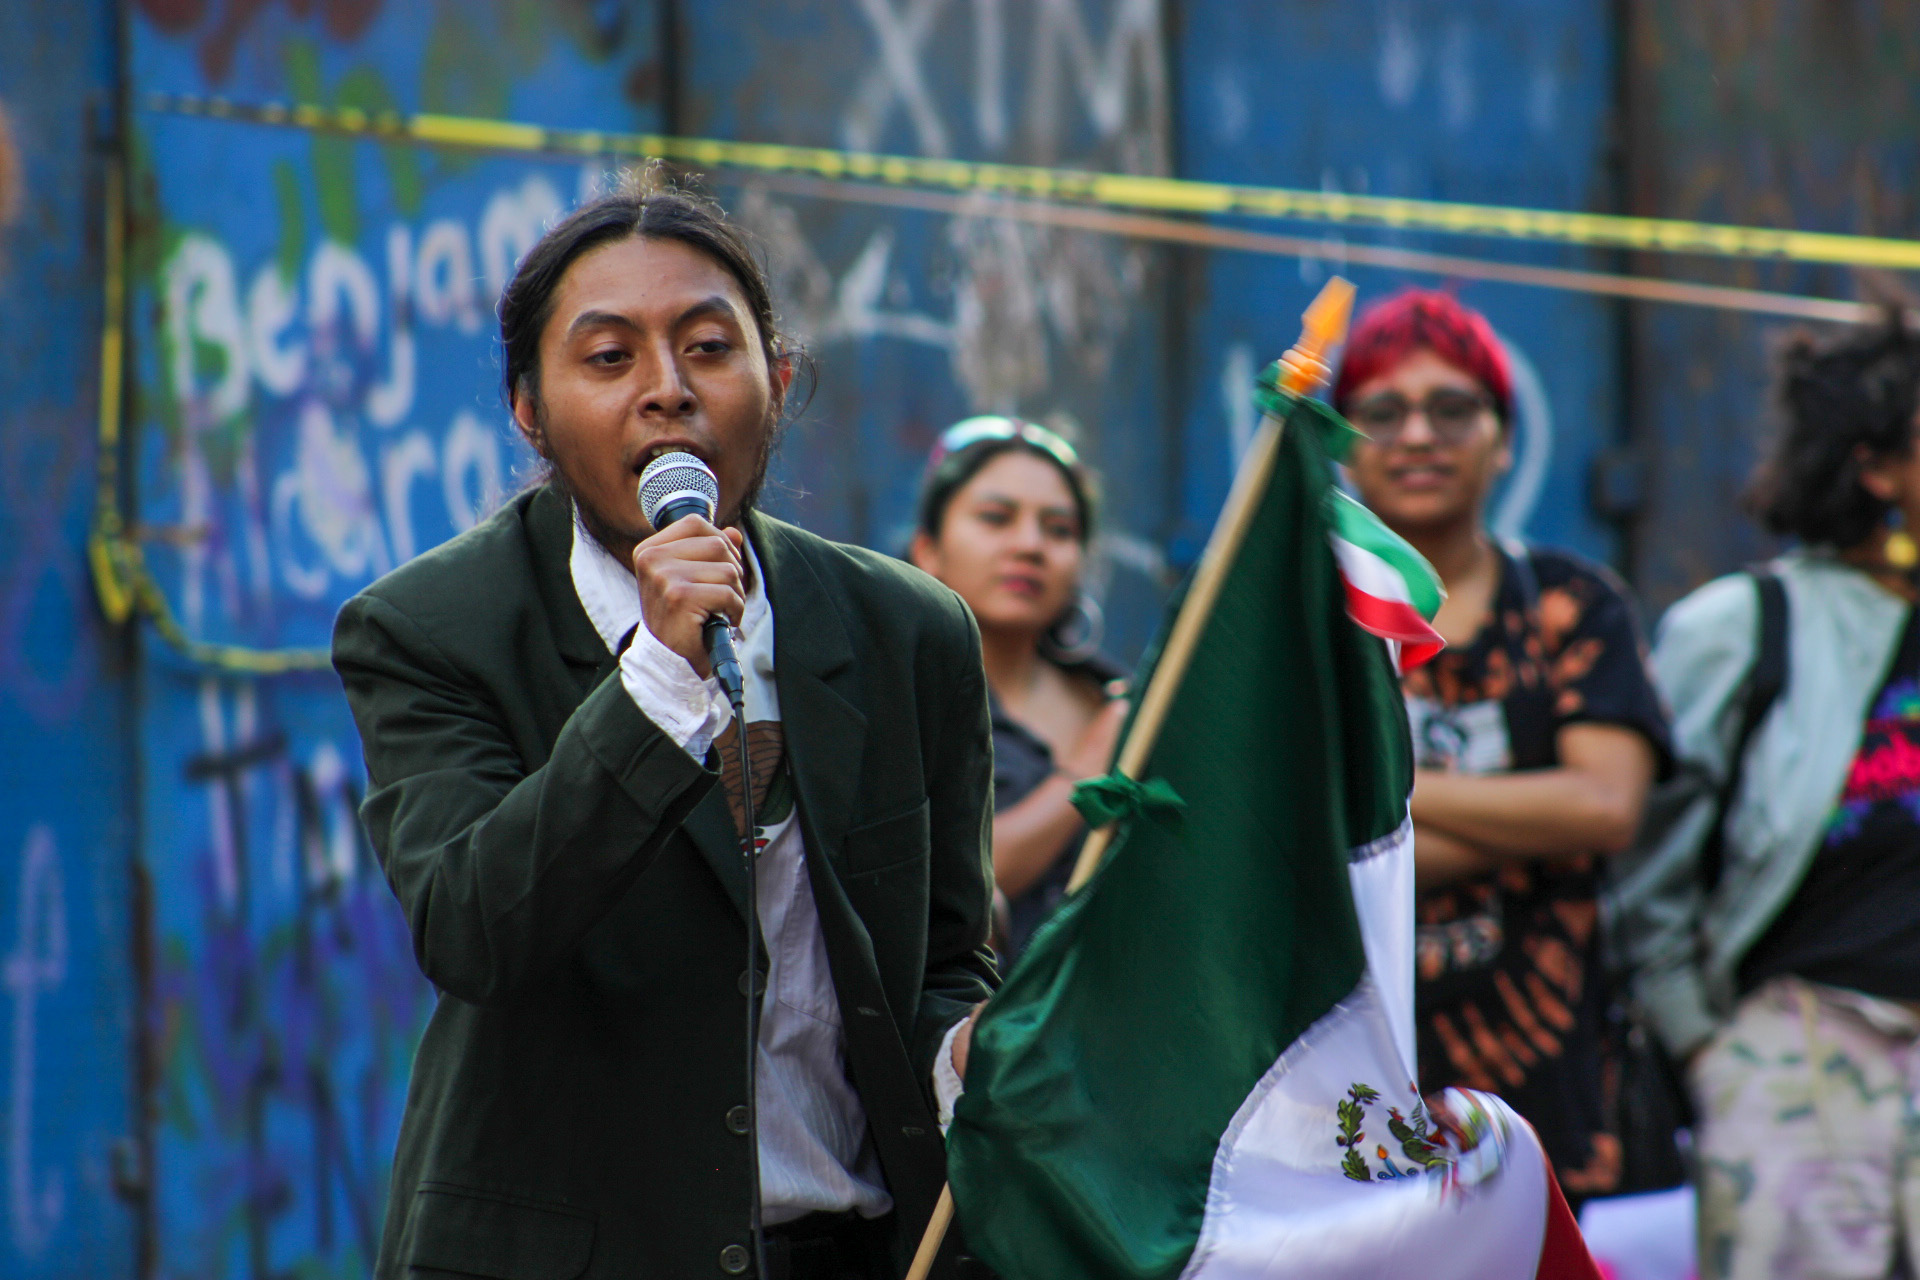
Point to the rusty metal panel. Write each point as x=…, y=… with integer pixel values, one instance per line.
x=67, y=980
x=920, y=318
x=1496, y=101
x=315, y=400
x=1786, y=114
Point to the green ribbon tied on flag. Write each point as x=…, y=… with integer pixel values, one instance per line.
x=1336, y=433
x=1114, y=796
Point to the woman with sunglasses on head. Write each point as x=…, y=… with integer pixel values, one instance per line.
x=1005, y=515
x=1536, y=734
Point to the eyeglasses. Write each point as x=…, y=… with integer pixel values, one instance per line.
x=1451, y=414
x=971, y=431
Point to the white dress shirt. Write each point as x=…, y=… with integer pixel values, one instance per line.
x=815, y=1153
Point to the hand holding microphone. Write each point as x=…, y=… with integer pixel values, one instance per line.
x=692, y=583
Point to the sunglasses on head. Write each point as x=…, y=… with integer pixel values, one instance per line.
x=971, y=431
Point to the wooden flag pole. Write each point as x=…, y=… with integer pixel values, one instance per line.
x=936, y=1232
x=1304, y=367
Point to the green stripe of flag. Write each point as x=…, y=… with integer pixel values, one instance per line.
x=1364, y=530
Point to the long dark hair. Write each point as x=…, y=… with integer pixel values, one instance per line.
x=1837, y=400
x=648, y=204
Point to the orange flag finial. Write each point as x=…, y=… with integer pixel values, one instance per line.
x=1322, y=328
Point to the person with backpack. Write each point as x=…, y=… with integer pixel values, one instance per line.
x=1772, y=911
x=1536, y=735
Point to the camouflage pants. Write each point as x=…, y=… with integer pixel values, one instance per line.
x=1808, y=1137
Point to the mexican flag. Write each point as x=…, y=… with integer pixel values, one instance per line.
x=1203, y=1065
x=1391, y=590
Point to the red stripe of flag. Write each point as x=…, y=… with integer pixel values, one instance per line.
x=1563, y=1250
x=1394, y=620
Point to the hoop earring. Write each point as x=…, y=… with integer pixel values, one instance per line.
x=1076, y=634
x=1899, y=549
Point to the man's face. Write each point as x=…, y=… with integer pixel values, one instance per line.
x=651, y=348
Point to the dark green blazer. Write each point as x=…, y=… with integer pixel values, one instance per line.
x=575, y=891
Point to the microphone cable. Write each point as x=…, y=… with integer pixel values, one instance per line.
x=755, y=984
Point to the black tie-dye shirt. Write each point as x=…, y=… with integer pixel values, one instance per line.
x=1509, y=990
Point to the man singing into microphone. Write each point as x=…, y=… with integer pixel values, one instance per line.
x=555, y=794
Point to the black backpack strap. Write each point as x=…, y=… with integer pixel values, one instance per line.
x=1765, y=679
x=1770, y=662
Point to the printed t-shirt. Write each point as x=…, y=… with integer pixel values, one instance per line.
x=1507, y=966
x=1854, y=921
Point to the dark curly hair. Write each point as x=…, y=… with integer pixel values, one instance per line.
x=1839, y=400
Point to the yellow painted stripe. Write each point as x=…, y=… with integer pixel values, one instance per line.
x=1116, y=190
x=466, y=131
x=122, y=582
x=1161, y=193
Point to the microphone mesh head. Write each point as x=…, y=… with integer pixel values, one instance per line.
x=677, y=475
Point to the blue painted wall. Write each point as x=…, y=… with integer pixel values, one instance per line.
x=1496, y=102
x=67, y=822
x=920, y=319
x=1795, y=114
x=314, y=399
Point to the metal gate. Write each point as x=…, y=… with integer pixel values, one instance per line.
x=213, y=1001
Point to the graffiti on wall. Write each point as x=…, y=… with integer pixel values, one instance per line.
x=919, y=318
x=35, y=967
x=320, y=413
x=315, y=401
x=1509, y=104
x=328, y=359
x=1117, y=78
x=66, y=1007
x=281, y=1030
x=1023, y=300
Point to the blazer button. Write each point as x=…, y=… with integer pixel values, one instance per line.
x=737, y=1120
x=733, y=1260
x=752, y=983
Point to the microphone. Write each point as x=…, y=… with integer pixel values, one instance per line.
x=673, y=487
